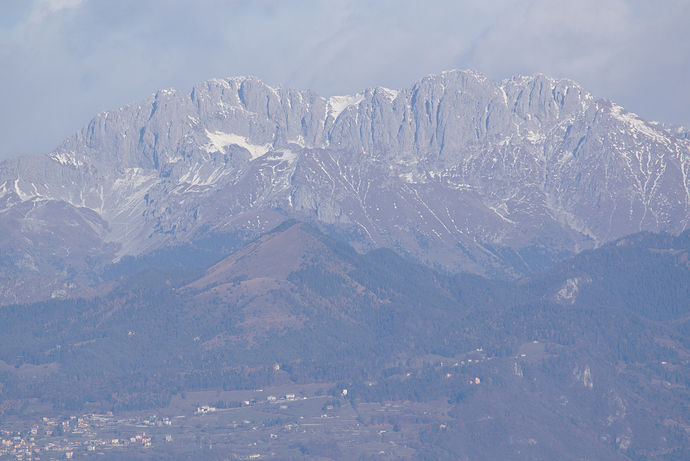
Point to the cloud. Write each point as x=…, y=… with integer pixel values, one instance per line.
x=42, y=7
x=542, y=33
x=63, y=61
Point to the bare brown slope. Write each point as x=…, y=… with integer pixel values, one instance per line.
x=255, y=282
x=273, y=256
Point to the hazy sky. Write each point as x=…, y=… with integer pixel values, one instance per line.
x=64, y=61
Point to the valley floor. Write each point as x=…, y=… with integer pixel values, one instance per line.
x=287, y=422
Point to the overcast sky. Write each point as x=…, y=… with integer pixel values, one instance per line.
x=64, y=61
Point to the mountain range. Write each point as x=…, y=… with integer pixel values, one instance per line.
x=458, y=172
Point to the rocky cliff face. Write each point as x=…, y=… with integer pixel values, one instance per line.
x=459, y=172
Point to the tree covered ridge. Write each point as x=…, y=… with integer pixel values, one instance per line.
x=620, y=311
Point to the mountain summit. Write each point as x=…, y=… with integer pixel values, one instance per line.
x=458, y=172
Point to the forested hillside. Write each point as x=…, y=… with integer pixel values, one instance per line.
x=594, y=351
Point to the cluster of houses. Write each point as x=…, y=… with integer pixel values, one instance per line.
x=49, y=436
x=288, y=397
x=205, y=409
x=27, y=448
x=13, y=443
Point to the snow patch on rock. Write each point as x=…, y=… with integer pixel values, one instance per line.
x=220, y=140
x=337, y=104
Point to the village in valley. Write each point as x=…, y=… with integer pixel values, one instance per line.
x=63, y=437
x=261, y=425
x=282, y=422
